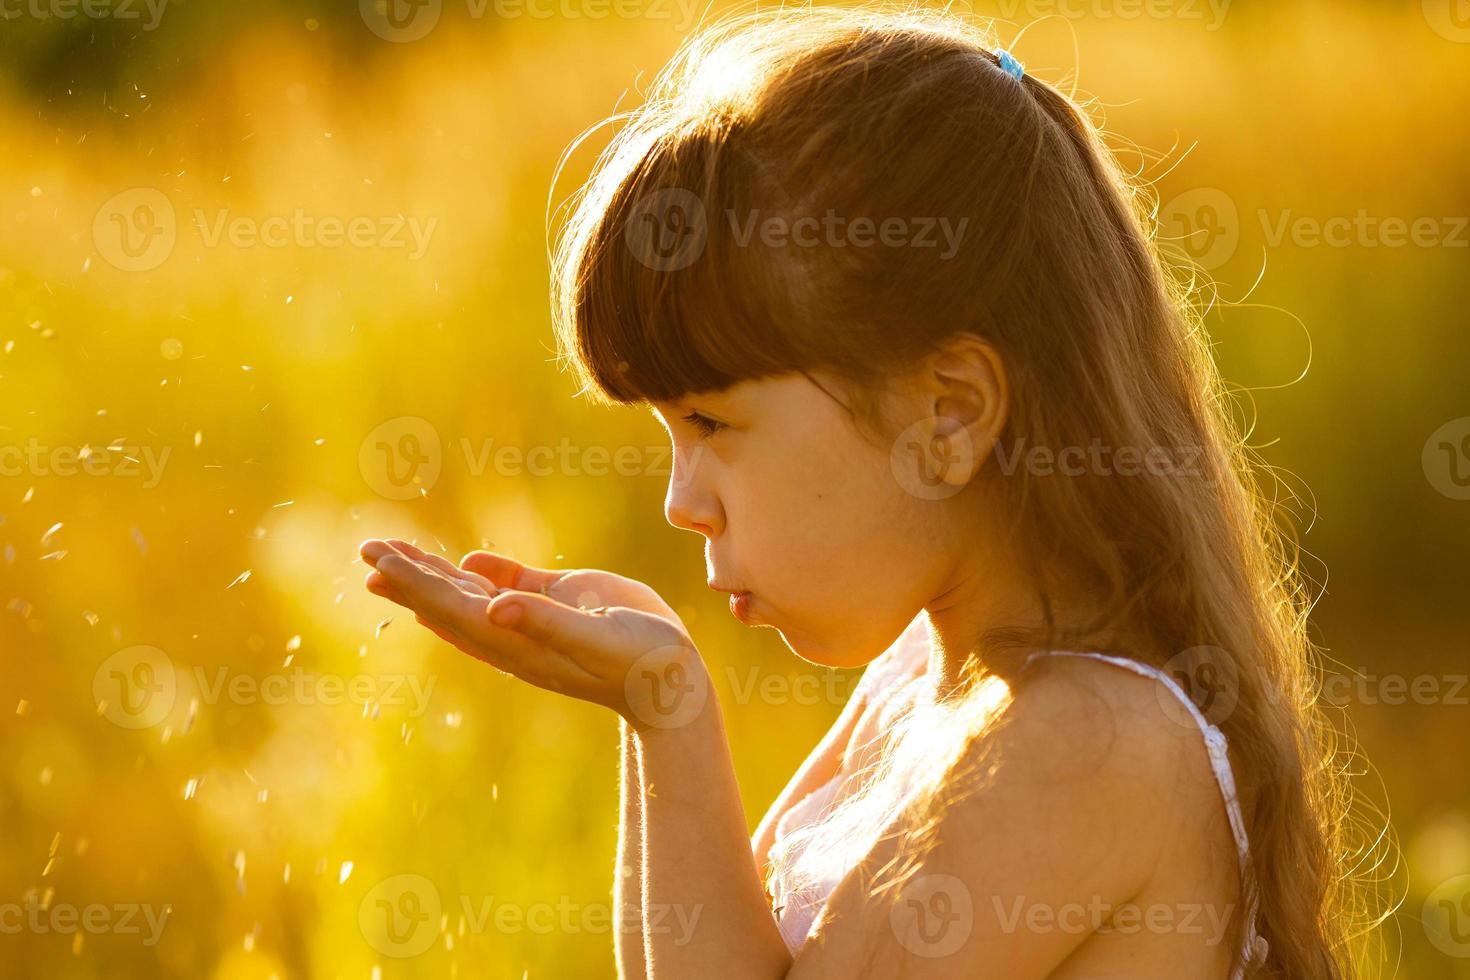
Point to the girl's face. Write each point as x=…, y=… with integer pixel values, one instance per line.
x=808, y=516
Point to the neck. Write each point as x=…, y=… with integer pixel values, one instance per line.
x=985, y=593
x=963, y=617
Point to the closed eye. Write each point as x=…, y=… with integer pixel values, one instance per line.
x=706, y=425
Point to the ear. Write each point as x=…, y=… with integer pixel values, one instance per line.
x=965, y=396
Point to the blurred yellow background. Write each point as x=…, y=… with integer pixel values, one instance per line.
x=273, y=280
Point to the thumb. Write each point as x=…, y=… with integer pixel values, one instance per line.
x=555, y=624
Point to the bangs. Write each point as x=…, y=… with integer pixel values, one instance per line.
x=665, y=285
x=682, y=266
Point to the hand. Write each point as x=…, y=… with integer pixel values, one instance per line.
x=586, y=633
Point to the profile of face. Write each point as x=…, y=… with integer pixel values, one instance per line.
x=839, y=536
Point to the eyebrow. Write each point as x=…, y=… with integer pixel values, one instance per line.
x=678, y=405
x=719, y=402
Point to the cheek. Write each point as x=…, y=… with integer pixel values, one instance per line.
x=840, y=545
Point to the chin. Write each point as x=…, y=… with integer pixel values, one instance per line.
x=841, y=651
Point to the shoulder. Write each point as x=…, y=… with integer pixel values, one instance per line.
x=1131, y=724
x=1087, y=759
x=1076, y=797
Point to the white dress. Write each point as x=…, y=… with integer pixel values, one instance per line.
x=896, y=676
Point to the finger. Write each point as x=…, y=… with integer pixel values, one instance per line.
x=589, y=638
x=427, y=591
x=477, y=581
x=465, y=620
x=375, y=550
x=379, y=586
x=525, y=658
x=439, y=631
x=508, y=573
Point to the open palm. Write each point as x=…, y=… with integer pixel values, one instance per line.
x=586, y=633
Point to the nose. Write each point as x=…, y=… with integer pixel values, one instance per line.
x=690, y=502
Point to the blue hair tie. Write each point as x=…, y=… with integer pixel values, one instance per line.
x=1009, y=64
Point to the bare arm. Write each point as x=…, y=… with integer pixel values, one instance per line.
x=628, y=939
x=705, y=908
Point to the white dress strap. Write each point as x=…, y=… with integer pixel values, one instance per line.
x=1254, y=945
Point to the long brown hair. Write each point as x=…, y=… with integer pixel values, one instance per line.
x=662, y=288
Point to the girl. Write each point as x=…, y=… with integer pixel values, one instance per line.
x=936, y=407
